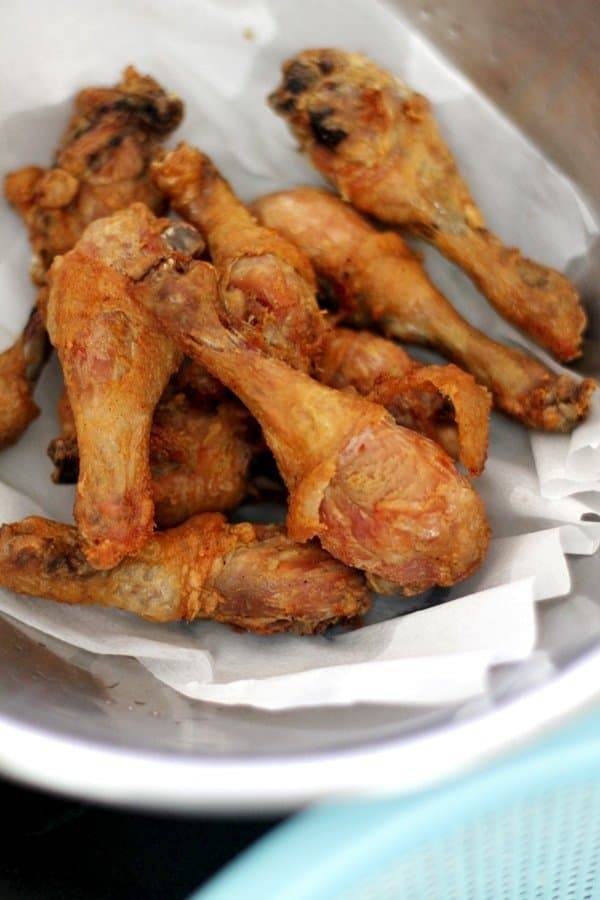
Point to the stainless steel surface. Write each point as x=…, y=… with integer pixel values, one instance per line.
x=535, y=59
x=103, y=727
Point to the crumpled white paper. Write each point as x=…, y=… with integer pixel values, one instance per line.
x=570, y=464
x=223, y=58
x=436, y=655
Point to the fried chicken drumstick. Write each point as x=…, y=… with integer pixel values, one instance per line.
x=378, y=496
x=116, y=365
x=20, y=367
x=267, y=287
x=199, y=457
x=378, y=143
x=101, y=166
x=442, y=402
x=376, y=276
x=249, y=576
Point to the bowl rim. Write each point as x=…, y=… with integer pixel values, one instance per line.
x=89, y=770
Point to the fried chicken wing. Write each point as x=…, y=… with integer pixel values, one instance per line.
x=378, y=143
x=377, y=278
x=20, y=366
x=267, y=287
x=116, y=365
x=101, y=166
x=378, y=496
x=199, y=458
x=250, y=576
x=442, y=402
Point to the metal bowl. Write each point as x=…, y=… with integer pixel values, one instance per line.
x=103, y=728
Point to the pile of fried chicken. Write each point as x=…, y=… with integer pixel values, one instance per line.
x=200, y=369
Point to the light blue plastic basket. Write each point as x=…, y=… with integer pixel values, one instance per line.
x=525, y=829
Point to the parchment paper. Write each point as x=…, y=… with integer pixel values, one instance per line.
x=223, y=58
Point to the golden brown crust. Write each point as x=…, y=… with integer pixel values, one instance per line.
x=196, y=383
x=442, y=402
x=397, y=508
x=116, y=365
x=377, y=278
x=199, y=457
x=378, y=142
x=267, y=287
x=101, y=166
x=358, y=359
x=20, y=366
x=377, y=496
x=249, y=576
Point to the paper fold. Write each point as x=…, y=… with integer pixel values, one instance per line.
x=223, y=58
x=436, y=655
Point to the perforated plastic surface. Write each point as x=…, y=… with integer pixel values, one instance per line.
x=542, y=848
x=526, y=828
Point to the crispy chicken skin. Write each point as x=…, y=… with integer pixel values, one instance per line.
x=196, y=383
x=116, y=365
x=377, y=278
x=267, y=287
x=378, y=143
x=199, y=457
x=378, y=496
x=442, y=402
x=250, y=576
x=20, y=366
x=358, y=359
x=101, y=166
